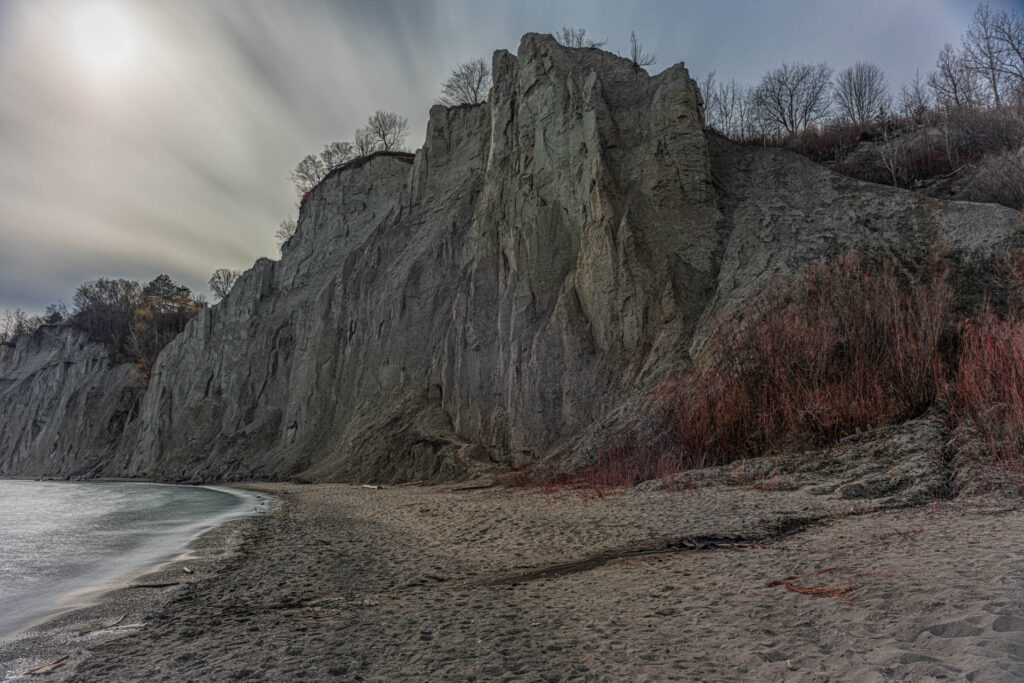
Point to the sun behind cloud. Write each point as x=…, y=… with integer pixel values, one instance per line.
x=103, y=39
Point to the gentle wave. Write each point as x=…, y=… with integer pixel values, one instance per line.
x=57, y=538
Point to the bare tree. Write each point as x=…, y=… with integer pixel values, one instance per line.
x=793, y=96
x=467, y=84
x=336, y=154
x=285, y=231
x=1008, y=28
x=222, y=280
x=576, y=37
x=728, y=107
x=741, y=110
x=386, y=128
x=915, y=100
x=312, y=169
x=309, y=172
x=861, y=92
x=637, y=54
x=707, y=88
x=25, y=323
x=55, y=313
x=7, y=327
x=982, y=52
x=366, y=142
x=893, y=151
x=952, y=82
x=712, y=110
x=18, y=322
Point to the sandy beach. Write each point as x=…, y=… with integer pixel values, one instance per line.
x=724, y=582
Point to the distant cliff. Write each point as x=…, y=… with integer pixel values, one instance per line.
x=63, y=404
x=538, y=266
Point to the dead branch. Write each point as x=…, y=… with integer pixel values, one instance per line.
x=475, y=487
x=47, y=667
x=105, y=626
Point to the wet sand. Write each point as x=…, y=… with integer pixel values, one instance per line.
x=722, y=583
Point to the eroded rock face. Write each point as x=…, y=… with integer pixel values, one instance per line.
x=512, y=290
x=63, y=405
x=482, y=304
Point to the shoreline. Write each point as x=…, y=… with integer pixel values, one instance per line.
x=52, y=635
x=422, y=583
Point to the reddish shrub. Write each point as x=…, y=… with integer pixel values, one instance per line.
x=849, y=346
x=625, y=460
x=988, y=395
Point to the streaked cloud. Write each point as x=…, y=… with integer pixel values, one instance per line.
x=175, y=158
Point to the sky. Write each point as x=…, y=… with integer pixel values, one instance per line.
x=147, y=137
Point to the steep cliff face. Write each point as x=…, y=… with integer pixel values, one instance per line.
x=544, y=258
x=511, y=290
x=63, y=406
x=483, y=303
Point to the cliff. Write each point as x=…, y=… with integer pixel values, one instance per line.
x=63, y=404
x=513, y=289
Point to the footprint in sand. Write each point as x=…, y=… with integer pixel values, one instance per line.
x=1007, y=623
x=962, y=628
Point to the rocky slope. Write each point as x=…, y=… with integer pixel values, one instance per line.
x=63, y=405
x=513, y=288
x=990, y=166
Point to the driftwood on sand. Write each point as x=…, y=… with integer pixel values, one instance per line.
x=47, y=667
x=105, y=626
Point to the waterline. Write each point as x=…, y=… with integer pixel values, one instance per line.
x=58, y=538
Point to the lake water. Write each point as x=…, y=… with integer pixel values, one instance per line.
x=60, y=537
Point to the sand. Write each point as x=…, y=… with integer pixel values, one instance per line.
x=425, y=583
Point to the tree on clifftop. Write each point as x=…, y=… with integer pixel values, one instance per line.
x=794, y=96
x=285, y=231
x=312, y=169
x=366, y=142
x=133, y=321
x=336, y=154
x=18, y=322
x=637, y=54
x=467, y=84
x=309, y=172
x=386, y=130
x=222, y=280
x=576, y=37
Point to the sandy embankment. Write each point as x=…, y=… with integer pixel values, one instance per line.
x=428, y=583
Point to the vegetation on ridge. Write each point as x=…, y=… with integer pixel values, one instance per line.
x=849, y=346
x=134, y=321
x=967, y=113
